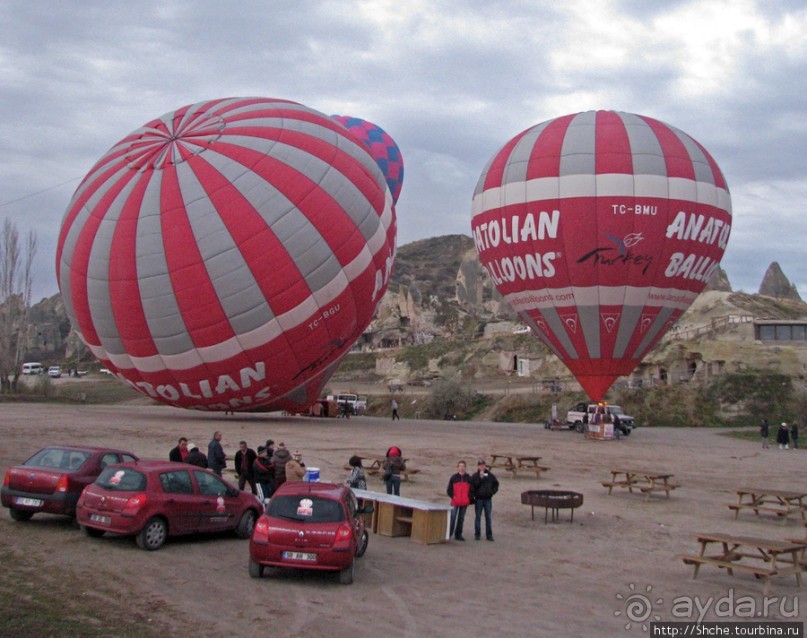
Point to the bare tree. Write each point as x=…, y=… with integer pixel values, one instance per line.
x=16, y=284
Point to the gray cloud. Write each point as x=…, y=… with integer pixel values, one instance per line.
x=451, y=82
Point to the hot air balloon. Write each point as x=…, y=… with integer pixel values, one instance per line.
x=382, y=147
x=226, y=255
x=600, y=229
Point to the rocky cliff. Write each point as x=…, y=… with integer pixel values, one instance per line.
x=775, y=284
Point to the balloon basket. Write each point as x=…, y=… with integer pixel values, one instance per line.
x=600, y=431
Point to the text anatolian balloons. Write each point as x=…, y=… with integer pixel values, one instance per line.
x=382, y=147
x=226, y=255
x=600, y=229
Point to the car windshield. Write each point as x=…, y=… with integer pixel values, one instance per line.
x=615, y=409
x=58, y=458
x=119, y=479
x=306, y=508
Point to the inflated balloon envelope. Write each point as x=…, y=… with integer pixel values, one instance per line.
x=226, y=255
x=600, y=229
x=382, y=147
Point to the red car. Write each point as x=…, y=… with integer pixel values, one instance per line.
x=310, y=526
x=152, y=500
x=52, y=479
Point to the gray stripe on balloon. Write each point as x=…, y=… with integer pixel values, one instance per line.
x=646, y=153
x=76, y=231
x=628, y=321
x=518, y=161
x=558, y=330
x=293, y=229
x=578, y=150
x=98, y=272
x=235, y=286
x=160, y=308
x=337, y=185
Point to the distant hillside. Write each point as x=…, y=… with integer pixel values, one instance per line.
x=431, y=264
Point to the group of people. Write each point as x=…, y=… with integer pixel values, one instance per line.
x=268, y=468
x=264, y=471
x=464, y=489
x=784, y=437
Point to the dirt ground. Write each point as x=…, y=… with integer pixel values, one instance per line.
x=558, y=579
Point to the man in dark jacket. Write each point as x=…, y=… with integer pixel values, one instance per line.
x=459, y=489
x=180, y=451
x=483, y=486
x=794, y=435
x=764, y=432
x=244, y=460
x=195, y=456
x=263, y=471
x=216, y=458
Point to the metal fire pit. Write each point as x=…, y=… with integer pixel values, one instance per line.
x=554, y=500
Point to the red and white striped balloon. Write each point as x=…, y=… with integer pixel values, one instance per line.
x=226, y=255
x=600, y=229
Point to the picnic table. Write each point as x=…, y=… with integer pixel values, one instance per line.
x=783, y=503
x=645, y=481
x=515, y=463
x=778, y=558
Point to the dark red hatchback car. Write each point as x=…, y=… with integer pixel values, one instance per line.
x=152, y=500
x=52, y=479
x=310, y=526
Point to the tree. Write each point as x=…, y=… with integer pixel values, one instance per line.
x=16, y=283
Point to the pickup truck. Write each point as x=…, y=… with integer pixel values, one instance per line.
x=582, y=412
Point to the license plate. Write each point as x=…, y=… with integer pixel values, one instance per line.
x=30, y=502
x=97, y=518
x=299, y=556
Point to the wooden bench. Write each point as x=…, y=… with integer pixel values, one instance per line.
x=779, y=511
x=728, y=563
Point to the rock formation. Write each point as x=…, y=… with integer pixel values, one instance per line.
x=775, y=284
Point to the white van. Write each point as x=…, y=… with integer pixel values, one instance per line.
x=32, y=368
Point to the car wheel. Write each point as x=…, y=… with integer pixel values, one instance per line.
x=626, y=432
x=255, y=569
x=153, y=534
x=93, y=532
x=246, y=524
x=20, y=515
x=346, y=575
x=578, y=426
x=363, y=542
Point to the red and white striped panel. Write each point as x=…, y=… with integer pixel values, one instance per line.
x=600, y=229
x=228, y=254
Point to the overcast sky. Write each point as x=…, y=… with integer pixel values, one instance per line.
x=451, y=82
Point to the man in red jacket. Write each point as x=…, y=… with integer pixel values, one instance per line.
x=459, y=489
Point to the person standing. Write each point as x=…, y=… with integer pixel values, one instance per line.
x=196, y=456
x=180, y=451
x=280, y=458
x=393, y=466
x=216, y=458
x=294, y=471
x=764, y=432
x=459, y=489
x=357, y=479
x=244, y=461
x=794, y=435
x=783, y=437
x=263, y=471
x=484, y=486
x=395, y=415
